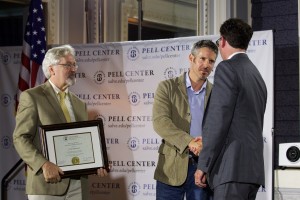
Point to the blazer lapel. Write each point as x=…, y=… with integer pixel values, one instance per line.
x=206, y=100
x=207, y=93
x=182, y=87
x=53, y=101
x=74, y=103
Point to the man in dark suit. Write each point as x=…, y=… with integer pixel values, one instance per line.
x=232, y=155
x=41, y=106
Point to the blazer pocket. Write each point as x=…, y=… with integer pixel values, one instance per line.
x=166, y=160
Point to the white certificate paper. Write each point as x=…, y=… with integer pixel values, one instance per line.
x=74, y=149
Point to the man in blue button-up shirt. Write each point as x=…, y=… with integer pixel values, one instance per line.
x=178, y=109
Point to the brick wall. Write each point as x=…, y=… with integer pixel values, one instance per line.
x=282, y=17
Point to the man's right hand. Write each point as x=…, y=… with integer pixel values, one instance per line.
x=51, y=172
x=195, y=145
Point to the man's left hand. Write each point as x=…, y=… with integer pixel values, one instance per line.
x=101, y=172
x=200, y=178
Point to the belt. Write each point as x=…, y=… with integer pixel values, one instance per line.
x=193, y=160
x=75, y=177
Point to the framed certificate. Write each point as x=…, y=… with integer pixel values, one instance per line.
x=78, y=148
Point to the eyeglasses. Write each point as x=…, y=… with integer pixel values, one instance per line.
x=70, y=66
x=218, y=41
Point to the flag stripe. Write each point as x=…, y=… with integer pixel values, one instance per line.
x=25, y=62
x=23, y=84
x=34, y=71
x=34, y=48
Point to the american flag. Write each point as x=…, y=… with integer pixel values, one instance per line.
x=34, y=48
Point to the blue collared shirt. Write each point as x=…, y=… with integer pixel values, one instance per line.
x=196, y=102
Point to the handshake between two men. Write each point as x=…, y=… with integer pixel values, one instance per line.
x=195, y=146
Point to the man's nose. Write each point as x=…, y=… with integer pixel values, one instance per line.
x=206, y=63
x=74, y=69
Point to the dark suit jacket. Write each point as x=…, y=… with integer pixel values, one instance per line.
x=233, y=124
x=40, y=106
x=171, y=120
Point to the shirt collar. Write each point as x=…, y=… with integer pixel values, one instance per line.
x=56, y=89
x=235, y=54
x=189, y=84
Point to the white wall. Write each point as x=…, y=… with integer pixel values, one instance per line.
x=287, y=184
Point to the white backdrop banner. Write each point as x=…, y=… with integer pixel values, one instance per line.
x=118, y=82
x=10, y=59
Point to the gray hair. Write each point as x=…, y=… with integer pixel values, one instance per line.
x=54, y=55
x=204, y=43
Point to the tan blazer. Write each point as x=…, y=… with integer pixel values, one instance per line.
x=40, y=106
x=171, y=120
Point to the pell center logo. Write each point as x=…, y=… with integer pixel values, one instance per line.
x=99, y=116
x=6, y=142
x=133, y=143
x=5, y=99
x=170, y=72
x=133, y=53
x=5, y=58
x=134, y=188
x=134, y=98
x=99, y=77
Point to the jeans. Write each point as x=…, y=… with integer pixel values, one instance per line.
x=188, y=189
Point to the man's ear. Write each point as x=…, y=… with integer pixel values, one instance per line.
x=51, y=71
x=222, y=42
x=191, y=57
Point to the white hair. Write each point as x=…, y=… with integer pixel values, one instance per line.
x=54, y=55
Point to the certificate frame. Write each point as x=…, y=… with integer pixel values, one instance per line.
x=78, y=148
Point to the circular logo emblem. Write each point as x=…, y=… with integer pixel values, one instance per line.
x=99, y=116
x=133, y=143
x=134, y=188
x=5, y=58
x=6, y=142
x=134, y=98
x=133, y=53
x=170, y=72
x=99, y=77
x=9, y=186
x=5, y=99
x=75, y=160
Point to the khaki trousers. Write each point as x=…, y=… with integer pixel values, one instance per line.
x=73, y=193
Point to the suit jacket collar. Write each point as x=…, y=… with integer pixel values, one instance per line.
x=237, y=54
x=53, y=100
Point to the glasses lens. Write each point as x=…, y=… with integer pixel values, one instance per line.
x=70, y=66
